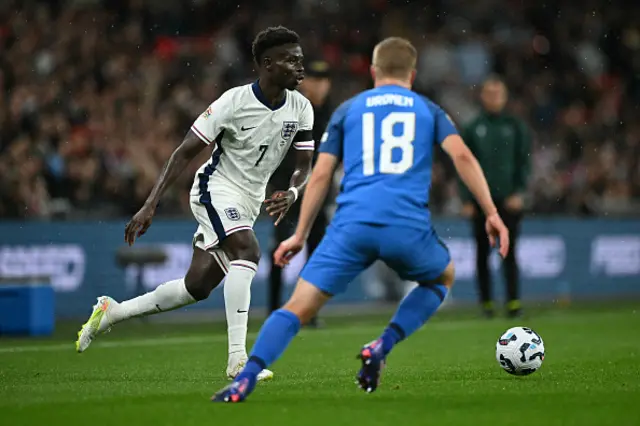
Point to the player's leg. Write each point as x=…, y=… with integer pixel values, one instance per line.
x=229, y=219
x=315, y=237
x=243, y=254
x=482, y=264
x=415, y=256
x=510, y=265
x=203, y=276
x=340, y=257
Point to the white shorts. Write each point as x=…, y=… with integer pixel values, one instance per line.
x=220, y=212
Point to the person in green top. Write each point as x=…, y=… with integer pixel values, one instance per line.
x=501, y=143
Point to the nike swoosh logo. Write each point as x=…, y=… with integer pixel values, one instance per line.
x=247, y=128
x=241, y=312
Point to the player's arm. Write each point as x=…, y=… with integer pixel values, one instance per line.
x=317, y=189
x=470, y=172
x=190, y=147
x=330, y=155
x=202, y=133
x=304, y=160
x=280, y=201
x=180, y=158
x=473, y=177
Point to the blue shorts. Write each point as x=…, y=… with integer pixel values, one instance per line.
x=348, y=249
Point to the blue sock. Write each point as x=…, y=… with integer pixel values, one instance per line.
x=414, y=310
x=276, y=333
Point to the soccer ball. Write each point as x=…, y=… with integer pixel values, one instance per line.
x=520, y=351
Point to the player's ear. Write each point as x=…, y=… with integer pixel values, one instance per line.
x=266, y=63
x=372, y=70
x=414, y=73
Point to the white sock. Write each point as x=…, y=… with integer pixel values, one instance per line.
x=166, y=297
x=237, y=298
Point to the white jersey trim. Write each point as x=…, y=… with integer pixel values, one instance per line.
x=201, y=135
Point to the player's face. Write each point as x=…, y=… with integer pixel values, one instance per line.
x=494, y=96
x=287, y=70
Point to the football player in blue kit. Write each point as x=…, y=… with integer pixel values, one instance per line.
x=384, y=138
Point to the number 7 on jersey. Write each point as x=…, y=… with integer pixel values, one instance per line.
x=403, y=141
x=262, y=148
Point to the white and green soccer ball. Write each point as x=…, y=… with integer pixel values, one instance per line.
x=520, y=351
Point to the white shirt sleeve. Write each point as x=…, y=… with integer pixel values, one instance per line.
x=215, y=119
x=306, y=125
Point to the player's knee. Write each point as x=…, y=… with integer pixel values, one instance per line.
x=196, y=285
x=448, y=277
x=242, y=245
x=198, y=281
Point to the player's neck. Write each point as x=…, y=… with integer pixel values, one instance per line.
x=272, y=94
x=392, y=82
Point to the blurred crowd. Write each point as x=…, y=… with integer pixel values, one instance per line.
x=94, y=95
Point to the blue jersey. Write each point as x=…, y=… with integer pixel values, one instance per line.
x=385, y=138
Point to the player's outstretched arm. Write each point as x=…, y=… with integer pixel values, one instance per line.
x=316, y=192
x=470, y=172
x=314, y=195
x=280, y=201
x=473, y=177
x=191, y=146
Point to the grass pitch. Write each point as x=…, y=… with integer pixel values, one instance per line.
x=446, y=374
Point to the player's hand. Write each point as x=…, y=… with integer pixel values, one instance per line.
x=139, y=224
x=286, y=250
x=497, y=231
x=279, y=204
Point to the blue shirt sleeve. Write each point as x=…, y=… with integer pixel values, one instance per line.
x=443, y=124
x=332, y=139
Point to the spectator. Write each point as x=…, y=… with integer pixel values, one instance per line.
x=94, y=94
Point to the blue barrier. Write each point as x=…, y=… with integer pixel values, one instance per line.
x=560, y=258
x=26, y=309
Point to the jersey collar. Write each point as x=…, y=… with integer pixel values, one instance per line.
x=257, y=91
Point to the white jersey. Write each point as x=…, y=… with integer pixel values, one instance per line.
x=251, y=139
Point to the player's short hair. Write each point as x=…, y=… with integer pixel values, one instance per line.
x=272, y=37
x=394, y=57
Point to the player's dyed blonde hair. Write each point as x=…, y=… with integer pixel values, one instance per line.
x=394, y=57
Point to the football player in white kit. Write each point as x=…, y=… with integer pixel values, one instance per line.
x=251, y=128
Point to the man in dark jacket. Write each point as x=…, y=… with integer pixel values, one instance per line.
x=315, y=87
x=501, y=143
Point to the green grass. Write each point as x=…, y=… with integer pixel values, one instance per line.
x=446, y=374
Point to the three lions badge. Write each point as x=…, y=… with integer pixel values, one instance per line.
x=232, y=213
x=289, y=129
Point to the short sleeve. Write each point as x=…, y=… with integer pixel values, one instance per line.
x=332, y=139
x=215, y=119
x=306, y=117
x=444, y=125
x=303, y=140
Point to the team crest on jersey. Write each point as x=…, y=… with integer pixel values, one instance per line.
x=232, y=213
x=289, y=128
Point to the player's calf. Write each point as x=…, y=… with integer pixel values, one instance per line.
x=306, y=301
x=243, y=251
